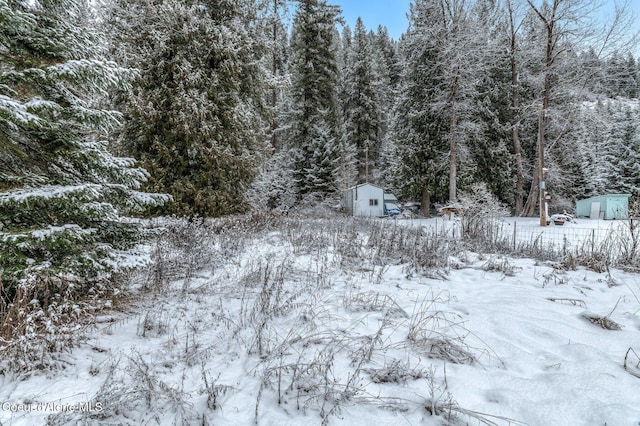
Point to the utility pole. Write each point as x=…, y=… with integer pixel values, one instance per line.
x=366, y=163
x=543, y=185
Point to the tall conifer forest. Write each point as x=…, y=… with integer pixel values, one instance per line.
x=259, y=105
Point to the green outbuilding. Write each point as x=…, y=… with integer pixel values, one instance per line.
x=612, y=206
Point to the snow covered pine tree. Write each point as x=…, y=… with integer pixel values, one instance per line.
x=63, y=196
x=196, y=114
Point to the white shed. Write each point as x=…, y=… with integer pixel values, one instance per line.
x=364, y=200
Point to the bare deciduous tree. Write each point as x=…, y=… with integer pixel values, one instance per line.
x=567, y=26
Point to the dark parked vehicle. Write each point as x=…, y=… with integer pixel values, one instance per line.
x=391, y=209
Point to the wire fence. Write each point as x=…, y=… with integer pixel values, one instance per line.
x=616, y=245
x=614, y=242
x=559, y=238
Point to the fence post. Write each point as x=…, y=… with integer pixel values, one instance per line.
x=515, y=225
x=593, y=241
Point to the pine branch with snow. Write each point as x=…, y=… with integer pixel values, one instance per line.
x=65, y=199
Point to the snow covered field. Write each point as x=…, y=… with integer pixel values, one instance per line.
x=527, y=229
x=349, y=322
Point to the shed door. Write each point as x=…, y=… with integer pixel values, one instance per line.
x=595, y=210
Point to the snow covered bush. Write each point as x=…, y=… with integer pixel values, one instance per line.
x=480, y=209
x=272, y=189
x=424, y=250
x=64, y=198
x=180, y=249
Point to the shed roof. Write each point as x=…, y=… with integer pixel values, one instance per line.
x=365, y=184
x=606, y=196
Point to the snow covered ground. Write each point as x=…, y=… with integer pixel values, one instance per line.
x=312, y=322
x=527, y=229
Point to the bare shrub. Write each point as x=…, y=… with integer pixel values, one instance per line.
x=181, y=248
x=620, y=248
x=435, y=334
x=604, y=321
x=317, y=206
x=43, y=319
x=440, y=402
x=310, y=380
x=215, y=392
x=398, y=372
x=349, y=241
x=573, y=302
x=248, y=225
x=313, y=236
x=628, y=241
x=267, y=305
x=555, y=276
x=500, y=264
x=598, y=261
x=133, y=394
x=302, y=369
x=265, y=298
x=185, y=247
x=424, y=250
x=154, y=322
x=373, y=301
x=536, y=249
x=481, y=211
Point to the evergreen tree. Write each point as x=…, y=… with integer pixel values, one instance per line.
x=273, y=189
x=417, y=157
x=491, y=148
x=346, y=39
x=589, y=61
x=388, y=50
x=439, y=88
x=592, y=135
x=316, y=129
x=386, y=75
x=632, y=77
x=361, y=107
x=63, y=195
x=272, y=14
x=624, y=150
x=618, y=77
x=621, y=76
x=445, y=29
x=196, y=114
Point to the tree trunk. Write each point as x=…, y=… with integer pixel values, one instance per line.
x=425, y=203
x=517, y=148
x=515, y=104
x=453, y=146
x=529, y=209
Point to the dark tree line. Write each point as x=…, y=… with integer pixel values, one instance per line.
x=246, y=104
